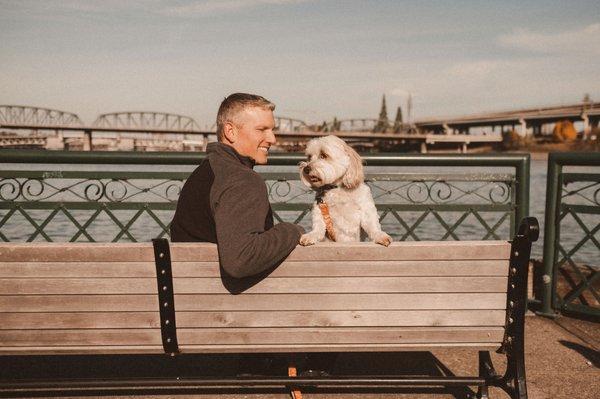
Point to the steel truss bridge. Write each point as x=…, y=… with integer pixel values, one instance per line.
x=31, y=127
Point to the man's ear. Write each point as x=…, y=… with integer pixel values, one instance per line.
x=229, y=132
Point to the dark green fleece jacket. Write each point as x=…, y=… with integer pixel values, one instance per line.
x=225, y=202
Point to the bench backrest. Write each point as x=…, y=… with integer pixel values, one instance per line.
x=102, y=298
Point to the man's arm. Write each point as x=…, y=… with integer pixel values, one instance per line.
x=245, y=248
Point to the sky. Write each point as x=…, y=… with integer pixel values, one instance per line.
x=315, y=59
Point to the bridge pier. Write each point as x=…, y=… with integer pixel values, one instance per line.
x=587, y=127
x=87, y=140
x=56, y=142
x=447, y=129
x=523, y=127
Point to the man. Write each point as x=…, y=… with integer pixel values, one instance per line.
x=225, y=201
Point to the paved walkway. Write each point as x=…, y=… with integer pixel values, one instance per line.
x=562, y=361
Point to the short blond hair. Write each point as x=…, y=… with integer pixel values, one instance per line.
x=235, y=103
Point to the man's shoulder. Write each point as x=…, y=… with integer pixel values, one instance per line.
x=227, y=170
x=236, y=180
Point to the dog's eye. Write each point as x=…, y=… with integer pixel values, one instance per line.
x=323, y=155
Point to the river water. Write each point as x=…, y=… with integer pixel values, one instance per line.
x=571, y=232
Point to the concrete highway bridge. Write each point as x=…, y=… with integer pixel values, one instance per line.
x=34, y=127
x=521, y=120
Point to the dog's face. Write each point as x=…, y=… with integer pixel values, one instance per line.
x=331, y=161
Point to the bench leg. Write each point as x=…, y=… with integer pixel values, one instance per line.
x=487, y=371
x=514, y=379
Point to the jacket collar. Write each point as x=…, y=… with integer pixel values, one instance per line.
x=229, y=152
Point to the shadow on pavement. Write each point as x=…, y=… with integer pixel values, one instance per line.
x=227, y=365
x=590, y=354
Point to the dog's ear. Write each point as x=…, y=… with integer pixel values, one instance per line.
x=354, y=175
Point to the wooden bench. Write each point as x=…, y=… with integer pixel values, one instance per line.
x=91, y=298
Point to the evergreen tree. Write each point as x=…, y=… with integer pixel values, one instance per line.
x=587, y=98
x=398, y=120
x=382, y=123
x=336, y=125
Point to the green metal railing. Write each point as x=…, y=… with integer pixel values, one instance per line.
x=48, y=196
x=571, y=273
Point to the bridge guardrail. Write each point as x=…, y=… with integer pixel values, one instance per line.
x=50, y=202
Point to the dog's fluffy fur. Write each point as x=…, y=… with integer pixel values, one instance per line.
x=330, y=161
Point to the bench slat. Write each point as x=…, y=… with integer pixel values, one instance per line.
x=217, y=302
x=286, y=269
x=84, y=350
x=253, y=337
x=96, y=320
x=490, y=346
x=186, y=252
x=70, y=337
x=375, y=335
x=106, y=349
x=266, y=286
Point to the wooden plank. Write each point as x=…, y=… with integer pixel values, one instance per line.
x=267, y=286
x=186, y=252
x=78, y=286
x=273, y=336
x=128, y=337
x=490, y=346
x=77, y=303
x=107, y=350
x=309, y=336
x=350, y=285
x=420, y=250
x=411, y=318
x=287, y=269
x=220, y=302
x=79, y=252
x=75, y=320
x=80, y=350
x=92, y=269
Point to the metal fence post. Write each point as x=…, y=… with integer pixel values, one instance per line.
x=550, y=217
x=522, y=174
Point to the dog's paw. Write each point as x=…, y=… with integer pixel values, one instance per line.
x=307, y=239
x=383, y=239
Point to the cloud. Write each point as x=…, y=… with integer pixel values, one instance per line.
x=399, y=92
x=211, y=7
x=49, y=9
x=479, y=69
x=586, y=40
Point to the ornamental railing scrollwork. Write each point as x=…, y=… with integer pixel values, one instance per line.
x=138, y=204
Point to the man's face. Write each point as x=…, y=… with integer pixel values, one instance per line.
x=255, y=133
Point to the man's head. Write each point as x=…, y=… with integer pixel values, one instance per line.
x=245, y=122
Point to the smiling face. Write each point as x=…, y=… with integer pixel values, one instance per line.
x=251, y=134
x=327, y=162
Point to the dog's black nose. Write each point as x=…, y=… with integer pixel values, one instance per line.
x=306, y=169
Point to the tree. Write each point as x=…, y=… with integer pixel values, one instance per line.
x=382, y=123
x=398, y=120
x=336, y=125
x=586, y=98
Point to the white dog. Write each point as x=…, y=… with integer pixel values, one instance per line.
x=343, y=201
